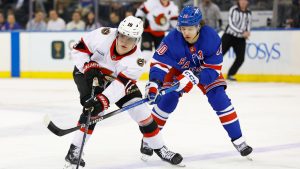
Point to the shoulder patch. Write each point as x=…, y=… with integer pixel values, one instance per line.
x=105, y=31
x=141, y=62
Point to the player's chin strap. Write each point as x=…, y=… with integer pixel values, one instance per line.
x=61, y=132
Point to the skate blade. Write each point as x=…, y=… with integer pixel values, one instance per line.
x=71, y=166
x=248, y=157
x=180, y=165
x=145, y=157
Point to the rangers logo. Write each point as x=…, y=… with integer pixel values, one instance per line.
x=105, y=31
x=141, y=62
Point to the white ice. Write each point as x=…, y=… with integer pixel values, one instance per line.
x=268, y=112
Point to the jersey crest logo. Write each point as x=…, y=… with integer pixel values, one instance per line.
x=219, y=50
x=141, y=62
x=162, y=49
x=105, y=31
x=160, y=19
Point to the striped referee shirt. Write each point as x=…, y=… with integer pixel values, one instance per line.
x=238, y=22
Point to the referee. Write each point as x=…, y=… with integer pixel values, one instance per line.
x=236, y=33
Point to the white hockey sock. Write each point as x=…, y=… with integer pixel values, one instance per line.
x=78, y=137
x=155, y=142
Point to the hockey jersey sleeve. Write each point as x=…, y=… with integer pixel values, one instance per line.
x=84, y=49
x=174, y=15
x=161, y=63
x=212, y=63
x=142, y=11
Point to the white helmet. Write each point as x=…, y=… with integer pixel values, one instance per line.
x=131, y=26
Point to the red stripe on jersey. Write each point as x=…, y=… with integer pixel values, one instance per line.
x=106, y=71
x=121, y=75
x=154, y=32
x=85, y=50
x=228, y=117
x=145, y=10
x=159, y=121
x=212, y=84
x=160, y=64
x=155, y=132
x=216, y=67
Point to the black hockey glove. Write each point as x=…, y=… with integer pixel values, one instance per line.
x=100, y=102
x=91, y=70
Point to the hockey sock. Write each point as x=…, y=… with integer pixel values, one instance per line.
x=151, y=133
x=230, y=122
x=78, y=137
x=165, y=107
x=220, y=102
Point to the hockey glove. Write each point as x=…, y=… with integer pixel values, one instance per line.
x=100, y=101
x=152, y=92
x=186, y=81
x=91, y=70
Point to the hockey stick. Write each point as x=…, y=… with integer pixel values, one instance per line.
x=95, y=84
x=61, y=132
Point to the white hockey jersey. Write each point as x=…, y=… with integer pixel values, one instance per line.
x=99, y=46
x=160, y=17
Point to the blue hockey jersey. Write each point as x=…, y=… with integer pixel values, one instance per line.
x=204, y=57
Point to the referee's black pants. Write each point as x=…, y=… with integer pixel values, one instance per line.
x=239, y=47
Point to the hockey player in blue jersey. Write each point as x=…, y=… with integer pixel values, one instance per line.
x=188, y=55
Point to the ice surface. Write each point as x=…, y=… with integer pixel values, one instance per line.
x=268, y=112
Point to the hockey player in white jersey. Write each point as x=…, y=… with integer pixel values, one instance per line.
x=105, y=53
x=159, y=16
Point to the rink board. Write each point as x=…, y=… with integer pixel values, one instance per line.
x=5, y=54
x=270, y=56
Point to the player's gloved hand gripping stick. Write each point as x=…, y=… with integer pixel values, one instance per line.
x=89, y=111
x=61, y=132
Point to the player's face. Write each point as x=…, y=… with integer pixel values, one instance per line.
x=125, y=44
x=189, y=33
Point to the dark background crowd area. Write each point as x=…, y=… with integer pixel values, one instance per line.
x=34, y=15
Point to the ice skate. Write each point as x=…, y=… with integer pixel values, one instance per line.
x=243, y=148
x=72, y=158
x=166, y=155
x=146, y=151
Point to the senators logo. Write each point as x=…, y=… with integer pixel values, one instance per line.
x=160, y=19
x=105, y=31
x=141, y=62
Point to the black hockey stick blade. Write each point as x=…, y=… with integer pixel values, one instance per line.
x=57, y=131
